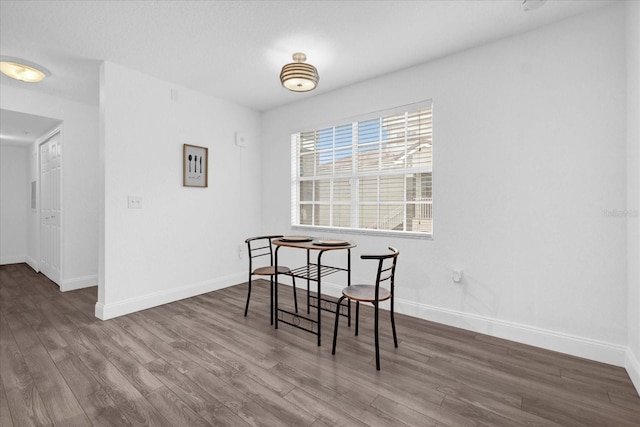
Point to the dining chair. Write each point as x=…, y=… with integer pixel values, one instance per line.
x=373, y=294
x=259, y=247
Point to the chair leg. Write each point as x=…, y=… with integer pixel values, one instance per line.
x=376, y=336
x=246, y=308
x=335, y=328
x=393, y=326
x=357, y=316
x=295, y=296
x=271, y=306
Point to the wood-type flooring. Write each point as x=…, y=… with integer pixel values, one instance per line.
x=200, y=362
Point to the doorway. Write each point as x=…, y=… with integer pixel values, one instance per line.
x=25, y=132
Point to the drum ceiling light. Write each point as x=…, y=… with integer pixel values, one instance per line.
x=298, y=76
x=22, y=70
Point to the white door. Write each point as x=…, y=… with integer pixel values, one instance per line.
x=50, y=209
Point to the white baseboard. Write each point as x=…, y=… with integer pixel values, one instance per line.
x=632, y=365
x=12, y=259
x=599, y=351
x=33, y=264
x=111, y=310
x=78, y=283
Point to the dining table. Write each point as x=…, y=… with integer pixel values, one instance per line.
x=313, y=271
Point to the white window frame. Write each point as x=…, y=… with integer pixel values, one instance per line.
x=354, y=176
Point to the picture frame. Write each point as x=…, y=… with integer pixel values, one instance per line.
x=195, y=166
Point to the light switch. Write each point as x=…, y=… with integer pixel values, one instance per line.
x=135, y=202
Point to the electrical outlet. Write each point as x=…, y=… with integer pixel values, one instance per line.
x=135, y=202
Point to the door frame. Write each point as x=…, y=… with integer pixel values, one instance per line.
x=39, y=143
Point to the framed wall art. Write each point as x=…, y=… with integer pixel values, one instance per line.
x=195, y=164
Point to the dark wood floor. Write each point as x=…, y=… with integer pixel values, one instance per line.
x=199, y=362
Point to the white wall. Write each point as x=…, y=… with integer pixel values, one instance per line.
x=529, y=156
x=633, y=188
x=184, y=240
x=14, y=203
x=33, y=216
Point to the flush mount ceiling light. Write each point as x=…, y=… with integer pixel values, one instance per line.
x=22, y=70
x=528, y=5
x=298, y=76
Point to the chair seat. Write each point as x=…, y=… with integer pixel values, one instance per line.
x=270, y=270
x=365, y=293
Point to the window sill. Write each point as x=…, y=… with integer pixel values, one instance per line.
x=363, y=232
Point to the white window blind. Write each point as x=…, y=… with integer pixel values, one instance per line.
x=371, y=173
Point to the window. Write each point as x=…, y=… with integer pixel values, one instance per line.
x=373, y=173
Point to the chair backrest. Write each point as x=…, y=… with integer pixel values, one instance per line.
x=260, y=246
x=386, y=268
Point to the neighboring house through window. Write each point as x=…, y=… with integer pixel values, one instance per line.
x=371, y=173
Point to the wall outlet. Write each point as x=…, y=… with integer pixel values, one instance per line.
x=135, y=202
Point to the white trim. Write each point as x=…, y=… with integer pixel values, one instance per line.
x=79, y=283
x=131, y=305
x=599, y=351
x=632, y=365
x=363, y=232
x=574, y=345
x=33, y=264
x=13, y=259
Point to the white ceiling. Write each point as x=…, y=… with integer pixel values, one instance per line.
x=234, y=50
x=23, y=129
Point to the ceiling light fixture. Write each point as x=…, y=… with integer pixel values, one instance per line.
x=528, y=5
x=22, y=70
x=298, y=76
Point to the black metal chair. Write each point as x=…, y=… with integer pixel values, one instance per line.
x=261, y=247
x=373, y=294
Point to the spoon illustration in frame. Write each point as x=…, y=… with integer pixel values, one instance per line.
x=189, y=162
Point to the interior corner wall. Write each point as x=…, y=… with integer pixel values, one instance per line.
x=529, y=174
x=633, y=188
x=13, y=204
x=184, y=241
x=33, y=215
x=79, y=181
